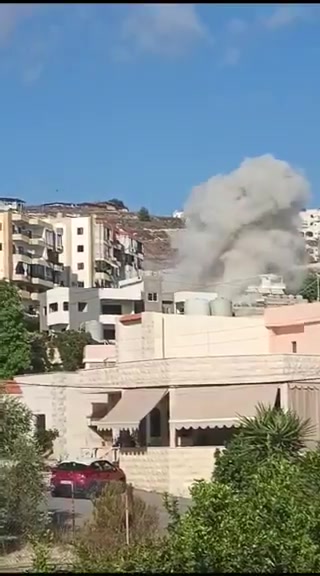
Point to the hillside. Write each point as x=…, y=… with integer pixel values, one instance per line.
x=155, y=234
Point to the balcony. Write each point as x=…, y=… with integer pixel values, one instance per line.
x=25, y=258
x=38, y=241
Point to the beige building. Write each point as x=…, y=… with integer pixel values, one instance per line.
x=94, y=253
x=174, y=388
x=29, y=254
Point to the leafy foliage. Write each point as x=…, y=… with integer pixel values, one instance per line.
x=272, y=431
x=39, y=361
x=70, y=345
x=21, y=472
x=271, y=526
x=102, y=545
x=14, y=343
x=16, y=423
x=309, y=289
x=144, y=215
x=45, y=440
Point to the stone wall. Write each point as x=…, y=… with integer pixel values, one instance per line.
x=167, y=469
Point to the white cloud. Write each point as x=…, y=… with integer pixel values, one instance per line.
x=162, y=28
x=10, y=17
x=284, y=15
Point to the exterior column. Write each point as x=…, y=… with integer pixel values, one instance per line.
x=148, y=429
x=172, y=430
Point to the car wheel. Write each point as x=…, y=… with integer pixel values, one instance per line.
x=54, y=493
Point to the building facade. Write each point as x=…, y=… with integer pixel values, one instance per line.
x=175, y=386
x=96, y=254
x=29, y=255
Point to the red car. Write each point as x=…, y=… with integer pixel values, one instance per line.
x=82, y=479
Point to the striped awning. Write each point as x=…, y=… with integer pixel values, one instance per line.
x=133, y=406
x=211, y=406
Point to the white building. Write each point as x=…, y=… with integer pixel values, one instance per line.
x=94, y=309
x=94, y=253
x=311, y=231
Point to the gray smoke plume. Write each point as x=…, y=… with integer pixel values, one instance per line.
x=241, y=225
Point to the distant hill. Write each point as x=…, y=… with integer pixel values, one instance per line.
x=155, y=233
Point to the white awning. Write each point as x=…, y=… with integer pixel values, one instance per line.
x=220, y=406
x=131, y=409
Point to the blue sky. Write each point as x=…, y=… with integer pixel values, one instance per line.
x=143, y=102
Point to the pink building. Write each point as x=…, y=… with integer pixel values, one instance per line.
x=294, y=329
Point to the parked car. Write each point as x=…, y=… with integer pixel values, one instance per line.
x=83, y=479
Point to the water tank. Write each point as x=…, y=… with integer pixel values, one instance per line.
x=221, y=307
x=197, y=307
x=95, y=329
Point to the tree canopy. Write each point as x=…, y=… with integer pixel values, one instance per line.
x=144, y=215
x=309, y=289
x=70, y=345
x=15, y=352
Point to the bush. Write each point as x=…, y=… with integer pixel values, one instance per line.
x=102, y=544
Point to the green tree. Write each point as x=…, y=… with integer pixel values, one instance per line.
x=14, y=342
x=272, y=431
x=39, y=361
x=70, y=345
x=309, y=289
x=144, y=215
x=21, y=473
x=271, y=526
x=102, y=544
x=16, y=423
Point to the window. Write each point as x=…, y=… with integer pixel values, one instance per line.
x=40, y=422
x=80, y=284
x=0, y=246
x=44, y=310
x=59, y=231
x=294, y=347
x=72, y=466
x=0, y=226
x=79, y=231
x=115, y=309
x=82, y=306
x=109, y=333
x=66, y=306
x=80, y=248
x=80, y=266
x=152, y=297
x=53, y=307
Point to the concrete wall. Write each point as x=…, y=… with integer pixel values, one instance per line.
x=168, y=469
x=67, y=410
x=299, y=323
x=173, y=335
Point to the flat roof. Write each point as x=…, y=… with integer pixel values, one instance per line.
x=8, y=199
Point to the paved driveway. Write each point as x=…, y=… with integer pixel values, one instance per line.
x=63, y=513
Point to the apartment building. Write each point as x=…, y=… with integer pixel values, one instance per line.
x=310, y=229
x=29, y=255
x=95, y=254
x=94, y=309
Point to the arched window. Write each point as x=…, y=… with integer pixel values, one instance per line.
x=155, y=423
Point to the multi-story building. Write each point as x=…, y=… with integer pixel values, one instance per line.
x=29, y=254
x=310, y=229
x=94, y=309
x=95, y=254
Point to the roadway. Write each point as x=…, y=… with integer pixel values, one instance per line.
x=61, y=508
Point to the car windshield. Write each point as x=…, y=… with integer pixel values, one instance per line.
x=71, y=466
